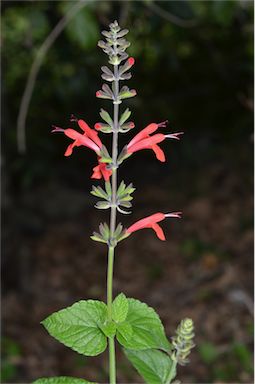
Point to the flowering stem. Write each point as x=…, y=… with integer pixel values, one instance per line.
x=112, y=363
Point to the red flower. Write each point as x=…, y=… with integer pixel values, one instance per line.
x=89, y=138
x=143, y=140
x=101, y=171
x=151, y=222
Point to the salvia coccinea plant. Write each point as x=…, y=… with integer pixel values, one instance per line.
x=89, y=327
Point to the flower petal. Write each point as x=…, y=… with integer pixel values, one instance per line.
x=146, y=143
x=96, y=173
x=93, y=135
x=69, y=149
x=159, y=153
x=159, y=232
x=82, y=139
x=147, y=222
x=144, y=133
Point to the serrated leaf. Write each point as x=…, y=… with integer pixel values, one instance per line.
x=106, y=117
x=124, y=331
x=77, y=327
x=148, y=331
x=61, y=380
x=109, y=329
x=120, y=308
x=125, y=115
x=153, y=365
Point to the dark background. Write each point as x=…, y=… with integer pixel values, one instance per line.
x=194, y=67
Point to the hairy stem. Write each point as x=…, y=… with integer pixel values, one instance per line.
x=111, y=343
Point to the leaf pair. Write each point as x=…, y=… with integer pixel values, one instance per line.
x=82, y=326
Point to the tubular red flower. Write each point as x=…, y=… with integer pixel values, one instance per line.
x=101, y=171
x=143, y=140
x=151, y=222
x=89, y=138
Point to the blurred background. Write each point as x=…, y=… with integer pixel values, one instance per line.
x=194, y=67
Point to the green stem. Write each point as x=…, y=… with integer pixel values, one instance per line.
x=111, y=342
x=112, y=367
x=109, y=281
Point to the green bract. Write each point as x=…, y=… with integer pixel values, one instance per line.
x=78, y=327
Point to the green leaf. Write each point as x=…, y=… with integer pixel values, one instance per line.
x=77, y=327
x=125, y=331
x=109, y=329
x=148, y=331
x=120, y=308
x=61, y=380
x=153, y=365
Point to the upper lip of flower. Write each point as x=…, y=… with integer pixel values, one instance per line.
x=144, y=140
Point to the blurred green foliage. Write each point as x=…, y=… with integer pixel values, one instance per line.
x=199, y=77
x=10, y=353
x=227, y=364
